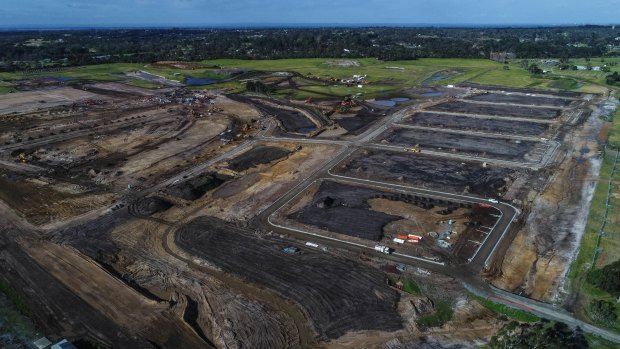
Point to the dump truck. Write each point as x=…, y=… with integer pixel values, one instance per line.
x=398, y=241
x=383, y=249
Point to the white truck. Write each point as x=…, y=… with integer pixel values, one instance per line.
x=383, y=249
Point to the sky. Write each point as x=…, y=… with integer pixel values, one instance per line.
x=139, y=13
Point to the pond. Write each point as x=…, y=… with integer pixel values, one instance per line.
x=384, y=103
x=399, y=99
x=59, y=78
x=191, y=81
x=432, y=94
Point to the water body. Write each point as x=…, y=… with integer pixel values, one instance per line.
x=384, y=103
x=59, y=78
x=306, y=129
x=399, y=99
x=437, y=77
x=432, y=94
x=199, y=81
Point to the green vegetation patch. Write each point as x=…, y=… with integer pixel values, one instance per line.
x=443, y=313
x=517, y=314
x=564, y=84
x=15, y=297
x=614, y=132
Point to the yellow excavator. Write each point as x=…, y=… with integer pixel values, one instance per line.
x=22, y=157
x=414, y=149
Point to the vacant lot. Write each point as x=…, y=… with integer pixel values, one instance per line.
x=458, y=122
x=339, y=295
x=521, y=99
x=256, y=156
x=425, y=171
x=32, y=100
x=497, y=148
x=497, y=110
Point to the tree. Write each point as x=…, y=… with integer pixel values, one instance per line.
x=534, y=69
x=608, y=277
x=602, y=311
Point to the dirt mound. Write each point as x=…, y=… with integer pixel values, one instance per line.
x=198, y=186
x=149, y=206
x=343, y=63
x=338, y=294
x=256, y=156
x=344, y=209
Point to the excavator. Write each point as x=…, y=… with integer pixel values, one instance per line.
x=414, y=149
x=22, y=157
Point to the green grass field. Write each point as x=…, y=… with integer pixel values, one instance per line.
x=384, y=81
x=512, y=313
x=443, y=313
x=609, y=245
x=614, y=133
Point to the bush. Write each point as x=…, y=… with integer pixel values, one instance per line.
x=606, y=278
x=602, y=311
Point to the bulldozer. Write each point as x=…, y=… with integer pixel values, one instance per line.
x=414, y=149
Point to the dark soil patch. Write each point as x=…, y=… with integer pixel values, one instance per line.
x=256, y=156
x=196, y=187
x=460, y=143
x=338, y=294
x=428, y=172
x=357, y=124
x=497, y=110
x=522, y=90
x=344, y=209
x=457, y=122
x=149, y=206
x=520, y=99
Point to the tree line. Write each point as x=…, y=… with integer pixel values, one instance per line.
x=37, y=49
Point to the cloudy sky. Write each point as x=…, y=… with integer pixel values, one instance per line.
x=46, y=13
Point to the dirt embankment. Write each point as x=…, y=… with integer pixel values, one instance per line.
x=538, y=259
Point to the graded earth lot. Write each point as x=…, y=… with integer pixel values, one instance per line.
x=486, y=147
x=328, y=288
x=459, y=122
x=426, y=171
x=503, y=110
x=521, y=99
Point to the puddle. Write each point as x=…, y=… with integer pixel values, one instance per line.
x=437, y=77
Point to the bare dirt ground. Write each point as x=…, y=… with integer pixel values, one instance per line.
x=32, y=100
x=499, y=148
x=429, y=172
x=497, y=109
x=457, y=122
x=540, y=255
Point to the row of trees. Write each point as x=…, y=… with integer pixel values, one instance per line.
x=18, y=50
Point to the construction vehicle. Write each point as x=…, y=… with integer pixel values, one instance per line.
x=312, y=244
x=398, y=241
x=383, y=249
x=414, y=149
x=22, y=157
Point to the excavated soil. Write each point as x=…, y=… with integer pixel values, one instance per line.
x=499, y=148
x=458, y=122
x=344, y=209
x=339, y=295
x=256, y=156
x=497, y=110
x=521, y=99
x=522, y=90
x=196, y=187
x=422, y=170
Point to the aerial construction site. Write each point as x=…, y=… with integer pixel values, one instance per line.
x=179, y=217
